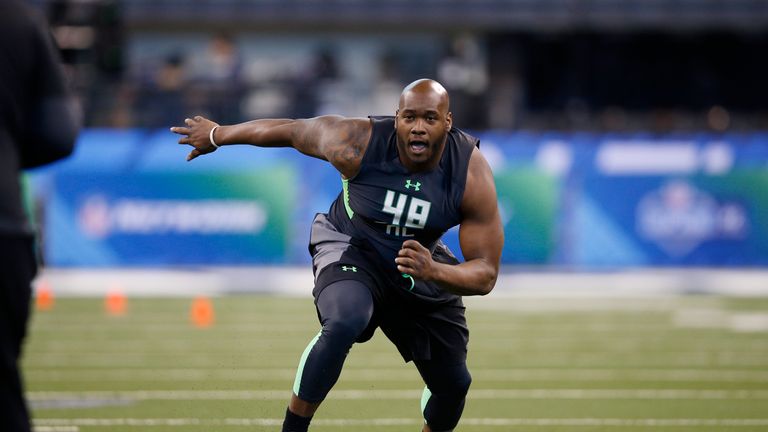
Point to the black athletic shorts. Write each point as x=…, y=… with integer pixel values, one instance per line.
x=423, y=321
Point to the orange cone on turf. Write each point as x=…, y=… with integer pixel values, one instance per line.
x=201, y=313
x=115, y=303
x=44, y=296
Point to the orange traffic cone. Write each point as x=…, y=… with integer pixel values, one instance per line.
x=115, y=303
x=201, y=313
x=44, y=296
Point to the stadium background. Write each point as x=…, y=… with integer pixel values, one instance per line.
x=628, y=139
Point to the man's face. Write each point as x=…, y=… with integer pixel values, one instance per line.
x=422, y=123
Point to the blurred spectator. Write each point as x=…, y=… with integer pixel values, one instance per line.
x=463, y=72
x=322, y=71
x=164, y=94
x=217, y=76
x=389, y=85
x=315, y=90
x=505, y=102
x=325, y=65
x=38, y=125
x=531, y=78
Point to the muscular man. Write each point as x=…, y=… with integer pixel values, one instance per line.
x=38, y=125
x=377, y=256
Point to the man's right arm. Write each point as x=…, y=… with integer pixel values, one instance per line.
x=339, y=140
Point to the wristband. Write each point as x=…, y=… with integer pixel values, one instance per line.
x=210, y=137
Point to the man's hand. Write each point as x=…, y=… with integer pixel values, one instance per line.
x=415, y=260
x=196, y=134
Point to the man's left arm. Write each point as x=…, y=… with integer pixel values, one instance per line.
x=480, y=235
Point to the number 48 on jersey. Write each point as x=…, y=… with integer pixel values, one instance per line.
x=415, y=217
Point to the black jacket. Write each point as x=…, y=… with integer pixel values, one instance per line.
x=38, y=119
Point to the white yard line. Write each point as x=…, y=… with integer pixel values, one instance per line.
x=514, y=286
x=143, y=422
x=352, y=374
x=551, y=359
x=587, y=394
x=56, y=428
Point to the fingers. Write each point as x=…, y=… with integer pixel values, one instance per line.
x=406, y=265
x=408, y=260
x=407, y=252
x=411, y=248
x=412, y=245
x=414, y=259
x=189, y=121
x=193, y=154
x=191, y=135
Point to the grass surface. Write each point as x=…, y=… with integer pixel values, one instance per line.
x=663, y=364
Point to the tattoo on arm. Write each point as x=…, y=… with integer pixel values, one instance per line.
x=351, y=141
x=305, y=139
x=338, y=140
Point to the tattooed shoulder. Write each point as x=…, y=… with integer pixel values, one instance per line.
x=346, y=152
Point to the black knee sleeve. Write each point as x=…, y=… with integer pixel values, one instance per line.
x=444, y=396
x=345, y=309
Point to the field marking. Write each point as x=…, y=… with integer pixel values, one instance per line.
x=56, y=428
x=541, y=343
x=552, y=360
x=183, y=327
x=143, y=422
x=170, y=326
x=735, y=356
x=353, y=374
x=588, y=394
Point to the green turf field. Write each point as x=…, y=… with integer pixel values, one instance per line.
x=695, y=363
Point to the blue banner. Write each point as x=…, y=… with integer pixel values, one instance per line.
x=582, y=201
x=152, y=219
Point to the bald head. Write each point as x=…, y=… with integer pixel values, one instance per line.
x=426, y=89
x=422, y=124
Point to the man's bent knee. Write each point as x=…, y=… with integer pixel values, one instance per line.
x=345, y=332
x=444, y=401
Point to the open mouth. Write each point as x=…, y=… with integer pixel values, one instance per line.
x=418, y=147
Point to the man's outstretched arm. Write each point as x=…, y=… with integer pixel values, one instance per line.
x=480, y=235
x=338, y=140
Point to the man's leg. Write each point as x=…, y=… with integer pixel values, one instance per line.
x=345, y=309
x=17, y=269
x=444, y=396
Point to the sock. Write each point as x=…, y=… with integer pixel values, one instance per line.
x=295, y=423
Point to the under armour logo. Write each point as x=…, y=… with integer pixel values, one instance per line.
x=350, y=268
x=416, y=186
